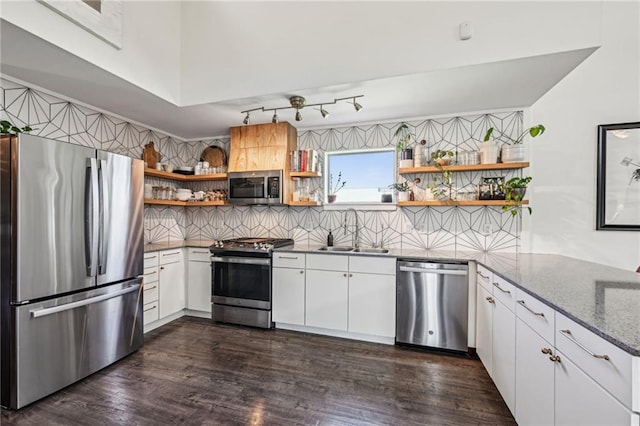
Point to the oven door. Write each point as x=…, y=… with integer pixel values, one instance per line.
x=241, y=281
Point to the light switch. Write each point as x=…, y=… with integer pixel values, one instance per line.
x=466, y=30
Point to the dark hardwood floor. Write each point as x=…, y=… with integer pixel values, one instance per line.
x=194, y=372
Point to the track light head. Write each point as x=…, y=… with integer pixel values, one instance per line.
x=356, y=105
x=246, y=119
x=324, y=112
x=298, y=115
x=275, y=116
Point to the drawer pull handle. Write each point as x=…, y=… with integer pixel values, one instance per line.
x=150, y=288
x=486, y=277
x=546, y=351
x=501, y=289
x=150, y=309
x=150, y=257
x=198, y=251
x=538, y=314
x=568, y=335
x=288, y=257
x=150, y=273
x=491, y=299
x=171, y=254
x=555, y=358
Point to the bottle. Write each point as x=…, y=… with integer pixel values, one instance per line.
x=330, y=239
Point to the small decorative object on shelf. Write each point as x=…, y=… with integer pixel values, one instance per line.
x=403, y=145
x=441, y=157
x=492, y=188
x=403, y=190
x=150, y=156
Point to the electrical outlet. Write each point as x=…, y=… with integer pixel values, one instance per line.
x=487, y=228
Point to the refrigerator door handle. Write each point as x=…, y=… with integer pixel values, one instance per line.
x=102, y=254
x=37, y=313
x=91, y=222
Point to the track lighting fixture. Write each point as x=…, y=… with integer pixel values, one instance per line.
x=298, y=103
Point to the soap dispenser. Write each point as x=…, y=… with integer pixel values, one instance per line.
x=330, y=239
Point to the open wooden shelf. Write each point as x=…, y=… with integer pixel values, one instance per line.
x=305, y=174
x=304, y=203
x=183, y=178
x=458, y=203
x=464, y=168
x=184, y=203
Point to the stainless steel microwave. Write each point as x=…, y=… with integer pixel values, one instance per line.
x=257, y=187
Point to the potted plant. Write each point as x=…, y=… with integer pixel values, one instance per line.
x=442, y=189
x=403, y=190
x=514, y=190
x=7, y=127
x=332, y=194
x=441, y=157
x=402, y=145
x=513, y=148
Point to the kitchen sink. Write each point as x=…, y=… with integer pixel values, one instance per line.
x=371, y=250
x=336, y=248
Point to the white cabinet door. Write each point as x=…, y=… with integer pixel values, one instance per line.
x=581, y=401
x=534, y=378
x=372, y=304
x=327, y=299
x=484, y=328
x=199, y=286
x=172, y=294
x=504, y=353
x=288, y=295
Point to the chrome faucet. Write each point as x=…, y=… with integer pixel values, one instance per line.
x=356, y=239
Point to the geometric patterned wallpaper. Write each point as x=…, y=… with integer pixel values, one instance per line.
x=446, y=228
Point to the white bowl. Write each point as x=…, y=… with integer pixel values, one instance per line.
x=185, y=169
x=183, y=196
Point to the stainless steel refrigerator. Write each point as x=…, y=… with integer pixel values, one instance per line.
x=71, y=242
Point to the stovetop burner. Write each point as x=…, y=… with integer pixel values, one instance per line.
x=250, y=244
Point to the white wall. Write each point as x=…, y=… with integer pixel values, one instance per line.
x=150, y=54
x=237, y=49
x=602, y=90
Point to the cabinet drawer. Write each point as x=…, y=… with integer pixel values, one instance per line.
x=199, y=254
x=504, y=291
x=150, y=312
x=536, y=315
x=150, y=293
x=289, y=260
x=484, y=278
x=151, y=259
x=150, y=275
x=328, y=262
x=170, y=256
x=604, y=362
x=372, y=265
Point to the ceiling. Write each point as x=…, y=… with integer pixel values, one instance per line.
x=514, y=83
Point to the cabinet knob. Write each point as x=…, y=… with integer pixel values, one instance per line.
x=491, y=299
x=350, y=275
x=162, y=268
x=546, y=351
x=555, y=358
x=302, y=272
x=344, y=275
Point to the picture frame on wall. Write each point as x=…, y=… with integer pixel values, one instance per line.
x=102, y=18
x=618, y=177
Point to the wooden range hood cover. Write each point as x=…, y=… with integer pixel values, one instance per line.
x=262, y=147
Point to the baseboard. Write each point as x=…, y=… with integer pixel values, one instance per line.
x=337, y=333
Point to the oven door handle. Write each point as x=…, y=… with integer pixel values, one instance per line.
x=243, y=260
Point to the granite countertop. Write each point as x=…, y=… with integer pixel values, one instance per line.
x=603, y=299
x=167, y=245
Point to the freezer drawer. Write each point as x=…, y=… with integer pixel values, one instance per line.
x=432, y=305
x=63, y=340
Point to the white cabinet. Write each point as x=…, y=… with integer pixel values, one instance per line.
x=484, y=327
x=327, y=299
x=150, y=288
x=372, y=308
x=581, y=401
x=199, y=280
x=288, y=304
x=534, y=388
x=504, y=352
x=171, y=282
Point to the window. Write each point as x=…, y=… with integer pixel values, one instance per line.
x=366, y=173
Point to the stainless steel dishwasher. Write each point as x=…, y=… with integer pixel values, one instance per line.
x=432, y=304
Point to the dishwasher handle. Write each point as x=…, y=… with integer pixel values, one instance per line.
x=433, y=271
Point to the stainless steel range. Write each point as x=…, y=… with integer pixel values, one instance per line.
x=241, y=280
